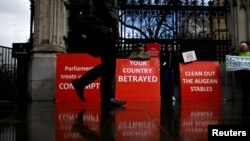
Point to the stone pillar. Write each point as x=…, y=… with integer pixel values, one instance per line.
x=248, y=20
x=239, y=22
x=232, y=25
x=50, y=26
x=242, y=20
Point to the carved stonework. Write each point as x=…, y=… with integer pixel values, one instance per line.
x=243, y=4
x=50, y=26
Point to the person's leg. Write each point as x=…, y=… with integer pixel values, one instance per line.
x=86, y=79
x=172, y=84
x=244, y=86
x=162, y=84
x=91, y=75
x=167, y=85
x=108, y=57
x=245, y=76
x=108, y=73
x=248, y=91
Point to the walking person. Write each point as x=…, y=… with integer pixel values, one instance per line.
x=100, y=23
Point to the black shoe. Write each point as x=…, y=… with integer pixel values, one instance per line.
x=115, y=102
x=79, y=89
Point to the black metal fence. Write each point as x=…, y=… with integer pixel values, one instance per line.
x=8, y=74
x=199, y=25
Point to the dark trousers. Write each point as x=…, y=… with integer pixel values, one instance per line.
x=244, y=76
x=100, y=42
x=105, y=70
x=168, y=84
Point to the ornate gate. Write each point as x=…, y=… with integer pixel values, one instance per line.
x=199, y=25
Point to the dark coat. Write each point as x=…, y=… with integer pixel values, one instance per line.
x=170, y=60
x=96, y=24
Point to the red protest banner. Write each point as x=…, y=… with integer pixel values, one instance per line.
x=153, y=49
x=70, y=67
x=200, y=80
x=138, y=80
